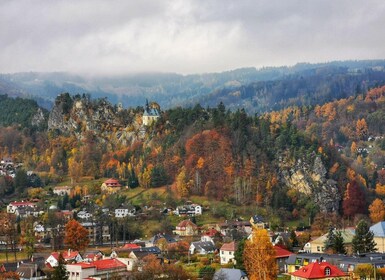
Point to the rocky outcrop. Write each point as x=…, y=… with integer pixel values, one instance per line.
x=310, y=178
x=79, y=114
x=38, y=119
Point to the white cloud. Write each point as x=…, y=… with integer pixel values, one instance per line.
x=185, y=36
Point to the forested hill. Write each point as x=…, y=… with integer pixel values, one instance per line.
x=255, y=90
x=292, y=162
x=21, y=112
x=308, y=87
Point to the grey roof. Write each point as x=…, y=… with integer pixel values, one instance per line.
x=27, y=270
x=204, y=245
x=158, y=236
x=229, y=273
x=152, y=250
x=378, y=229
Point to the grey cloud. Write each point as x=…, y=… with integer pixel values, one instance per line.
x=185, y=36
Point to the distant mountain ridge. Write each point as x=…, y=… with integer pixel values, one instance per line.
x=256, y=90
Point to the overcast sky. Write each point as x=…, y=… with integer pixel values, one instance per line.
x=189, y=36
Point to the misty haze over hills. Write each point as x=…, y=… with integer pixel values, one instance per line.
x=256, y=90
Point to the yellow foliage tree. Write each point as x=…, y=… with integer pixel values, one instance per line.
x=380, y=190
x=364, y=271
x=377, y=211
x=181, y=183
x=353, y=148
x=259, y=256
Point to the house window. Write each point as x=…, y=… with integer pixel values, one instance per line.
x=327, y=271
x=230, y=253
x=318, y=249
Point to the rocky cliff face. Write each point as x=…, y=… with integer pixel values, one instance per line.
x=79, y=114
x=310, y=178
x=38, y=119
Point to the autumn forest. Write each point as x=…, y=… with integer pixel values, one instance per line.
x=289, y=164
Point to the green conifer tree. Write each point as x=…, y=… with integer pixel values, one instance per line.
x=60, y=271
x=363, y=241
x=339, y=245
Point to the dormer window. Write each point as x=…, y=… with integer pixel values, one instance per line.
x=327, y=271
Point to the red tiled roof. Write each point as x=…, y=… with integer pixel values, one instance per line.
x=22, y=203
x=281, y=253
x=229, y=247
x=130, y=246
x=102, y=264
x=84, y=265
x=67, y=256
x=318, y=270
x=112, y=182
x=108, y=264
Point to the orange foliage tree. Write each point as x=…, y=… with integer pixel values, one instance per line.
x=361, y=129
x=211, y=150
x=377, y=211
x=76, y=236
x=259, y=256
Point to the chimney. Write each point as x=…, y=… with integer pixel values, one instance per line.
x=69, y=251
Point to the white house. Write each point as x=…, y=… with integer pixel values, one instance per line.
x=227, y=252
x=68, y=256
x=189, y=210
x=84, y=215
x=62, y=190
x=202, y=247
x=100, y=269
x=124, y=212
x=39, y=228
x=14, y=206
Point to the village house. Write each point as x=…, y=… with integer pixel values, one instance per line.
x=138, y=251
x=378, y=230
x=16, y=206
x=97, y=233
x=258, y=222
x=125, y=212
x=101, y=269
x=188, y=210
x=186, y=228
x=84, y=215
x=158, y=238
x=235, y=229
x=281, y=256
x=202, y=247
x=347, y=264
x=111, y=186
x=319, y=270
x=230, y=273
x=92, y=255
x=62, y=190
x=317, y=245
x=39, y=232
x=30, y=271
x=68, y=256
x=226, y=253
